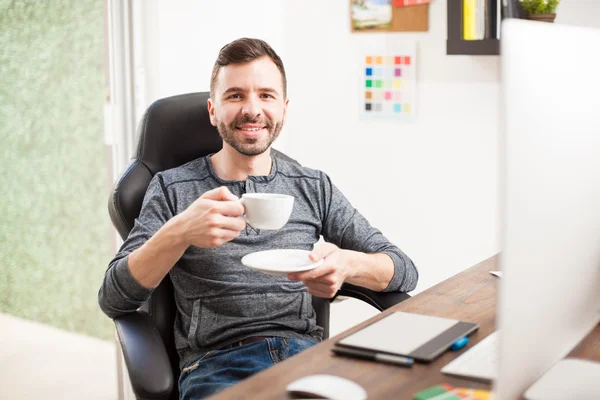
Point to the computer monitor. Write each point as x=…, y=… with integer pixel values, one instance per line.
x=549, y=293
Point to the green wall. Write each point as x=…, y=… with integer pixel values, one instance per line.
x=55, y=231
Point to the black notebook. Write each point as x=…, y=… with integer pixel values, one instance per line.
x=417, y=336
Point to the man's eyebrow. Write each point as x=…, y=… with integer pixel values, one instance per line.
x=233, y=90
x=268, y=90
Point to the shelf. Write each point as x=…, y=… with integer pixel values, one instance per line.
x=473, y=47
x=456, y=45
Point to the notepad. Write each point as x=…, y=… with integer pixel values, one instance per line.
x=418, y=336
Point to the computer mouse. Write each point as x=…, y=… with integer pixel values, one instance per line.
x=327, y=387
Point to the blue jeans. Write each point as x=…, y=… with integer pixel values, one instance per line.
x=216, y=370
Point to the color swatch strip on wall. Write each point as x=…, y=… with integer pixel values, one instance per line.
x=389, y=85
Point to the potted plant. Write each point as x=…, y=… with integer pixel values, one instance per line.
x=540, y=10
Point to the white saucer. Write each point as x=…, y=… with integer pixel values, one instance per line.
x=280, y=262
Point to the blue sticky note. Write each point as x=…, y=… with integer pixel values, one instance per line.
x=397, y=108
x=369, y=71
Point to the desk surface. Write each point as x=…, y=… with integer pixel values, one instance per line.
x=469, y=296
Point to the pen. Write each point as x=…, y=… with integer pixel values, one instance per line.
x=368, y=355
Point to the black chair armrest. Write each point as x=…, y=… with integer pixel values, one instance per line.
x=145, y=356
x=379, y=300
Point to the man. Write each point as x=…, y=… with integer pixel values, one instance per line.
x=233, y=321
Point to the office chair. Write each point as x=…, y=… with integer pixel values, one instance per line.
x=174, y=131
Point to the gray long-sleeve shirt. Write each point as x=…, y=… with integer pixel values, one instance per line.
x=219, y=301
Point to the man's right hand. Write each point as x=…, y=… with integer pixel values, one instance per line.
x=213, y=219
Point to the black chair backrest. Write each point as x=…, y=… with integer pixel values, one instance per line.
x=173, y=131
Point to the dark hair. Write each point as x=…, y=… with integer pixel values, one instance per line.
x=242, y=51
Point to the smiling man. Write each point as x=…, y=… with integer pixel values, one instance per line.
x=233, y=321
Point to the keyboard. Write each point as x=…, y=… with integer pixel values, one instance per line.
x=479, y=362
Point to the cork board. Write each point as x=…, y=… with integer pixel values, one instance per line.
x=404, y=19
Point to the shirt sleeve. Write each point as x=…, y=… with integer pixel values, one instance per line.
x=120, y=292
x=345, y=227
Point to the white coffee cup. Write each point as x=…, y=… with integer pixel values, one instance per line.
x=269, y=211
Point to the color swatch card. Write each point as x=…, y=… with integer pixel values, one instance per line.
x=389, y=85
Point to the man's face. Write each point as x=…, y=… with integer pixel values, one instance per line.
x=249, y=106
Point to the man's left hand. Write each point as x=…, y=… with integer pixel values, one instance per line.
x=325, y=280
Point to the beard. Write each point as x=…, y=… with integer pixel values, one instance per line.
x=249, y=146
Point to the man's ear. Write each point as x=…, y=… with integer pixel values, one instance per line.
x=211, y=112
x=285, y=107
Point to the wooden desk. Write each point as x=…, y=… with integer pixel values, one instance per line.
x=469, y=295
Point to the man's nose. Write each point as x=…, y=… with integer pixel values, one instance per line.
x=251, y=107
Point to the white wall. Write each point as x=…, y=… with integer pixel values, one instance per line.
x=183, y=38
x=430, y=186
x=579, y=12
